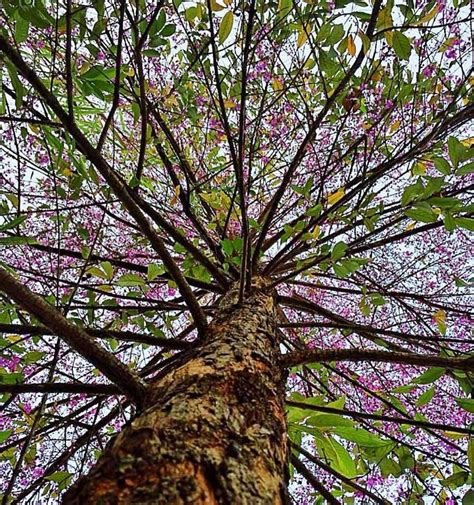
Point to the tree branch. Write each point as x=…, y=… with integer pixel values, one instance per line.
x=61, y=387
x=116, y=184
x=377, y=417
x=403, y=358
x=126, y=336
x=125, y=379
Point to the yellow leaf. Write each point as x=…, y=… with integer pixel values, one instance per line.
x=316, y=231
x=420, y=168
x=277, y=84
x=67, y=172
x=454, y=434
x=389, y=37
x=230, y=104
x=171, y=101
x=228, y=2
x=377, y=76
x=215, y=6
x=177, y=191
x=395, y=126
x=104, y=287
x=226, y=26
x=410, y=227
x=14, y=338
x=384, y=19
x=439, y=318
x=429, y=16
x=468, y=142
x=351, y=47
x=365, y=41
x=303, y=35
x=335, y=197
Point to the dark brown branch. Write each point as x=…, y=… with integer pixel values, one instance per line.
x=326, y=355
x=338, y=475
x=316, y=485
x=378, y=417
x=61, y=387
x=116, y=184
x=126, y=336
x=271, y=208
x=125, y=379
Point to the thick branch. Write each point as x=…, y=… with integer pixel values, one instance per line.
x=116, y=184
x=126, y=380
x=126, y=336
x=323, y=356
x=378, y=417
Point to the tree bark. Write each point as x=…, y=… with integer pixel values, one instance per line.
x=214, y=429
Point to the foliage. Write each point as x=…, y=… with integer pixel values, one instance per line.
x=154, y=152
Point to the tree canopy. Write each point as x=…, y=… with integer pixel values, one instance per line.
x=154, y=154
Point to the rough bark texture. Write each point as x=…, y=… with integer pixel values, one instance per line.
x=214, y=431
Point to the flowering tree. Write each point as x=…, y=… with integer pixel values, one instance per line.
x=234, y=258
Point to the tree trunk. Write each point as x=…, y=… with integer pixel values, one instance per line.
x=214, y=430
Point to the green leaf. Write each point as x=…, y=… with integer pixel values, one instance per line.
x=449, y=222
x=466, y=169
x=434, y=185
x=22, y=27
x=425, y=397
x=444, y=202
x=168, y=30
x=466, y=404
x=429, y=376
x=338, y=251
x=11, y=378
x=17, y=240
x=154, y=270
x=314, y=211
x=130, y=280
x=412, y=192
x=32, y=357
x=340, y=270
x=227, y=246
x=226, y=26
x=465, y=222
x=442, y=165
x=401, y=45
x=61, y=478
x=11, y=224
x=470, y=454
x=17, y=85
x=361, y=437
x=328, y=420
x=284, y=7
x=96, y=272
x=4, y=435
x=108, y=269
x=421, y=212
x=457, y=151
x=468, y=498
x=158, y=23
x=336, y=454
x=456, y=479
x=404, y=389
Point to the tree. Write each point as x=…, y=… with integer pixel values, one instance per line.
x=234, y=263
